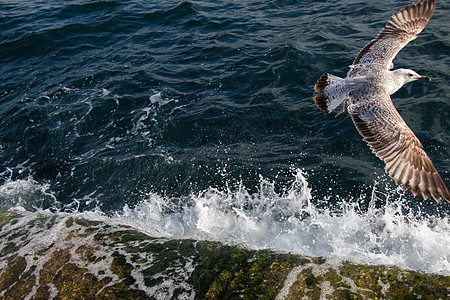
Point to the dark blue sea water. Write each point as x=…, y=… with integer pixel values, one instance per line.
x=195, y=119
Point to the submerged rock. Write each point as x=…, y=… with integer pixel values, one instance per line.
x=61, y=256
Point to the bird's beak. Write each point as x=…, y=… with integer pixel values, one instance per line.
x=424, y=78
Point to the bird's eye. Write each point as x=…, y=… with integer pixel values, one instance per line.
x=410, y=75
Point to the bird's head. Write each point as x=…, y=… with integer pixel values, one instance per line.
x=409, y=75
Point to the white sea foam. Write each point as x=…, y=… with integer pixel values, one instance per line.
x=290, y=222
x=160, y=99
x=26, y=194
x=286, y=221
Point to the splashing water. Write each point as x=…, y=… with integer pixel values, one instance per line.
x=289, y=221
x=286, y=221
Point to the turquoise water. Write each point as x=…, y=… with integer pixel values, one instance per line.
x=196, y=119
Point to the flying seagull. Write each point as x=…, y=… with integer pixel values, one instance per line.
x=368, y=87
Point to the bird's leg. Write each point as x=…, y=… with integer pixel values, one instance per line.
x=342, y=109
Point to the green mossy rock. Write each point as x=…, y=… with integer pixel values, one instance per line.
x=45, y=256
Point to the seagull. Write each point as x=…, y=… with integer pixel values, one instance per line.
x=367, y=89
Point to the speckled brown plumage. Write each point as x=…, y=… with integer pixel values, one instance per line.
x=368, y=87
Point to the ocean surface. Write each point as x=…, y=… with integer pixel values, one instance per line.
x=196, y=119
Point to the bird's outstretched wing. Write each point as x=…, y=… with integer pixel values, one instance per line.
x=393, y=142
x=403, y=27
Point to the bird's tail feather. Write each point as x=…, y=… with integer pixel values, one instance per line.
x=330, y=93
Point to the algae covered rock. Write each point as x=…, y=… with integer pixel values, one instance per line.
x=61, y=256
